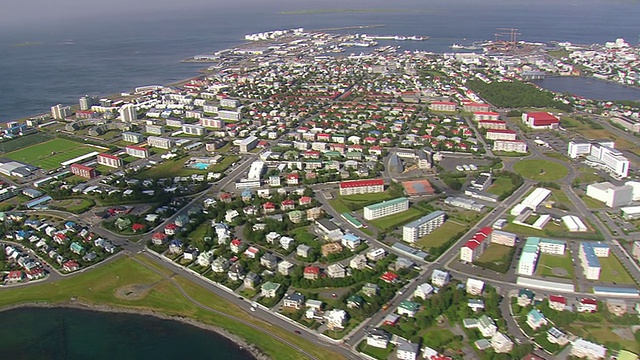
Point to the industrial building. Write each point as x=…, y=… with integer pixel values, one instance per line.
x=386, y=208
x=611, y=195
x=532, y=201
x=540, y=120
x=414, y=230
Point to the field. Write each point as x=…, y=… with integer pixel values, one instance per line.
x=159, y=293
x=547, y=263
x=173, y=168
x=497, y=257
x=559, y=198
x=389, y=222
x=592, y=203
x=48, y=155
x=376, y=353
x=356, y=202
x=557, y=156
x=75, y=206
x=441, y=235
x=621, y=143
x=607, y=333
x=587, y=175
x=613, y=271
x=541, y=170
x=500, y=186
x=23, y=142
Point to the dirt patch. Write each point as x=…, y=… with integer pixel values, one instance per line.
x=133, y=291
x=625, y=333
x=560, y=272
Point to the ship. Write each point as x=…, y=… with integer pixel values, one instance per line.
x=457, y=46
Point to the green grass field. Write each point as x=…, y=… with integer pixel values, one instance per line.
x=23, y=142
x=356, y=202
x=376, y=353
x=547, y=262
x=173, y=168
x=101, y=286
x=500, y=186
x=605, y=334
x=48, y=155
x=540, y=170
x=559, y=197
x=389, y=222
x=494, y=253
x=557, y=156
x=592, y=203
x=441, y=235
x=588, y=176
x=613, y=271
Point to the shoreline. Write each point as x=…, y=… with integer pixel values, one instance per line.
x=255, y=352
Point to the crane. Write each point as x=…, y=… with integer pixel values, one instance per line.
x=513, y=35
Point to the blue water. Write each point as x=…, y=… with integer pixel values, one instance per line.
x=591, y=88
x=200, y=166
x=115, y=48
x=70, y=334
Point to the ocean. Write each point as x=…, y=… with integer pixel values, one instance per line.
x=112, y=50
x=72, y=334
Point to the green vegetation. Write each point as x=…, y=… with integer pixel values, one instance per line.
x=454, y=180
x=111, y=283
x=541, y=170
x=377, y=353
x=497, y=258
x=390, y=222
x=74, y=205
x=547, y=263
x=587, y=176
x=500, y=186
x=442, y=235
x=613, y=271
x=441, y=339
x=516, y=94
x=591, y=203
x=350, y=203
x=23, y=142
x=558, y=53
x=557, y=156
x=48, y=155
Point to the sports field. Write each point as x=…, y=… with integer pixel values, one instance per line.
x=48, y=155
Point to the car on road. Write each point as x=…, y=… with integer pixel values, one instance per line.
x=297, y=332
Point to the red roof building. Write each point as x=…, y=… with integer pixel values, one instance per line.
x=557, y=302
x=476, y=245
x=311, y=272
x=361, y=186
x=82, y=171
x=288, y=204
x=492, y=124
x=305, y=200
x=389, y=277
x=540, y=120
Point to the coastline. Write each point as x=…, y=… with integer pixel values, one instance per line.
x=256, y=352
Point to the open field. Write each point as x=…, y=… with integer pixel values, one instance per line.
x=606, y=333
x=592, y=203
x=560, y=198
x=350, y=203
x=613, y=271
x=541, y=170
x=500, y=186
x=557, y=156
x=376, y=353
x=75, y=205
x=23, y=142
x=547, y=263
x=389, y=222
x=497, y=257
x=48, y=155
x=173, y=168
x=100, y=287
x=441, y=235
x=587, y=175
x=604, y=134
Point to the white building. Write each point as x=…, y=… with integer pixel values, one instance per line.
x=611, y=195
x=60, y=112
x=440, y=278
x=191, y=129
x=518, y=146
x=589, y=253
x=503, y=238
x=415, y=230
x=501, y=343
x=386, y=208
x=499, y=134
x=573, y=223
x=160, y=142
x=474, y=286
x=248, y=144
x=128, y=113
x=586, y=349
x=601, y=154
x=109, y=160
x=423, y=291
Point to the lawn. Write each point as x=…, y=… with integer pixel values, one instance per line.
x=350, y=203
x=592, y=203
x=101, y=286
x=377, y=353
x=75, y=206
x=23, y=142
x=559, y=197
x=500, y=186
x=604, y=134
x=541, y=170
x=441, y=235
x=169, y=169
x=547, y=263
x=389, y=222
x=604, y=333
x=587, y=175
x=497, y=257
x=613, y=271
x=441, y=339
x=48, y=155
x=557, y=156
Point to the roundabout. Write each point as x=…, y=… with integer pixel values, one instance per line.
x=541, y=170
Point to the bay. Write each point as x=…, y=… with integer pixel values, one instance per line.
x=77, y=51
x=70, y=334
x=589, y=87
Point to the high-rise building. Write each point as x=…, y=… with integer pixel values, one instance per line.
x=413, y=231
x=60, y=112
x=86, y=102
x=128, y=113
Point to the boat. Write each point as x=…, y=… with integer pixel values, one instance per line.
x=457, y=46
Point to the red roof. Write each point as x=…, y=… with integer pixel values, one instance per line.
x=133, y=147
x=136, y=227
x=389, y=276
x=542, y=118
x=472, y=244
x=486, y=113
x=288, y=202
x=501, y=131
x=360, y=183
x=491, y=122
x=557, y=299
x=305, y=199
x=589, y=301
x=311, y=270
x=81, y=167
x=236, y=242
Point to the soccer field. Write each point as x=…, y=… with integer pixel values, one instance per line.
x=48, y=155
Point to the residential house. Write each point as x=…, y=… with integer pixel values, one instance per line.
x=269, y=261
x=303, y=250
x=293, y=300
x=336, y=319
x=557, y=302
x=487, y=326
x=423, y=291
x=586, y=349
x=252, y=252
x=175, y=246
x=350, y=241
x=378, y=338
x=190, y=253
x=219, y=265
x=474, y=286
x=251, y=280
x=285, y=268
x=355, y=301
x=475, y=304
x=501, y=343
x=407, y=350
x=587, y=305
x=236, y=246
x=440, y=278
x=370, y=289
x=556, y=336
x=525, y=297
x=409, y=308
x=536, y=319
x=269, y=289
x=286, y=242
x=235, y=272
x=358, y=262
x=311, y=272
x=389, y=277
x=336, y=271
